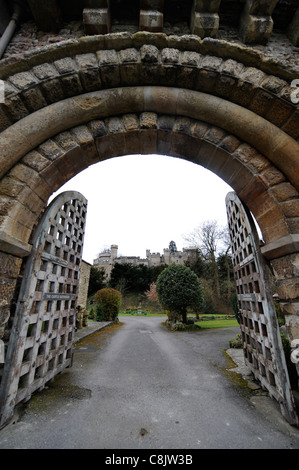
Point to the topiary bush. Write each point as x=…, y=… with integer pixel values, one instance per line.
x=178, y=288
x=108, y=302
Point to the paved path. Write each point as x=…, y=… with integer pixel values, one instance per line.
x=139, y=386
x=92, y=327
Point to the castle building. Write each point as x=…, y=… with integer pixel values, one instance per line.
x=108, y=258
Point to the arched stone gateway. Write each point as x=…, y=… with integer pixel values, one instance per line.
x=218, y=104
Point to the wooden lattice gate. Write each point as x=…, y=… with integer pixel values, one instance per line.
x=261, y=338
x=40, y=344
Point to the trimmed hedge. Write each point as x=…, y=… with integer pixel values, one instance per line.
x=108, y=302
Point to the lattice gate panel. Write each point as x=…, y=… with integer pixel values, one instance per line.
x=262, y=344
x=41, y=341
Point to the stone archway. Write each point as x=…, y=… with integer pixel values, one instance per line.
x=223, y=108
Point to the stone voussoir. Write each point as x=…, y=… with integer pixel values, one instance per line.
x=91, y=71
x=61, y=145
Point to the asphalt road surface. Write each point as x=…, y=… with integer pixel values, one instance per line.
x=139, y=386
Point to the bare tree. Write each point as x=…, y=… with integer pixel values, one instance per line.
x=207, y=237
x=227, y=249
x=105, y=249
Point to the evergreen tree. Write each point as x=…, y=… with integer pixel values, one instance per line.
x=178, y=288
x=96, y=280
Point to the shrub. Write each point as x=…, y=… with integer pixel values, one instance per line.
x=108, y=302
x=99, y=315
x=151, y=294
x=237, y=342
x=178, y=288
x=91, y=315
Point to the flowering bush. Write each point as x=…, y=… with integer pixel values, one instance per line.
x=151, y=294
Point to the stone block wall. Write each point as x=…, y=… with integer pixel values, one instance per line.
x=83, y=284
x=82, y=312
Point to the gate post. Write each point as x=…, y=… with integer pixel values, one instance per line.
x=283, y=256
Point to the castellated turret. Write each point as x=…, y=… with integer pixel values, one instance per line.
x=114, y=250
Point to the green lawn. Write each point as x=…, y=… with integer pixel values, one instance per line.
x=217, y=323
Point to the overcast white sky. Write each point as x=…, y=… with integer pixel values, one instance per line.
x=141, y=202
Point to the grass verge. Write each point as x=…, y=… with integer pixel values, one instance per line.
x=218, y=324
